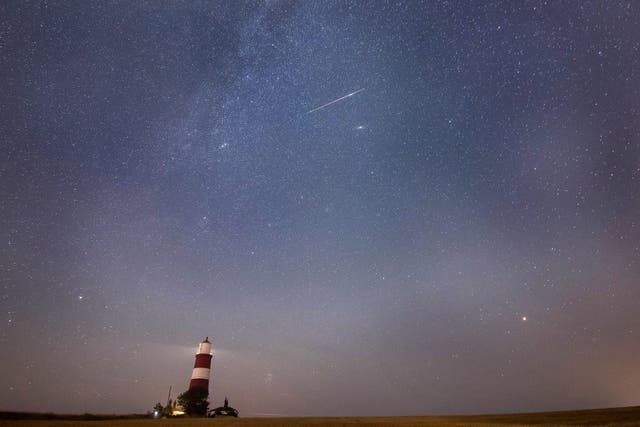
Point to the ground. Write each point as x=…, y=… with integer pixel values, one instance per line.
x=599, y=417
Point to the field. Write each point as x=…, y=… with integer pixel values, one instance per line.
x=597, y=417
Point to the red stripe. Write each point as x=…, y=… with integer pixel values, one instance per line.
x=203, y=361
x=199, y=383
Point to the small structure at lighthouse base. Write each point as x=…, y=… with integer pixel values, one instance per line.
x=224, y=411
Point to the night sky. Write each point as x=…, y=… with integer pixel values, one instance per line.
x=461, y=236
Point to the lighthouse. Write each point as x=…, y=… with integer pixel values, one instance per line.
x=202, y=366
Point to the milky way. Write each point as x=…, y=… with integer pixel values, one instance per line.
x=461, y=237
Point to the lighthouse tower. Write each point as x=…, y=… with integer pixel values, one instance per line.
x=202, y=367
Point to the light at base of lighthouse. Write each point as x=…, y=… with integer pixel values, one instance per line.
x=202, y=366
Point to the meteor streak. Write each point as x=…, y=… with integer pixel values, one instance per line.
x=334, y=101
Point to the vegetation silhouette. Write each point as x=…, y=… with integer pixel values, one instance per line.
x=194, y=402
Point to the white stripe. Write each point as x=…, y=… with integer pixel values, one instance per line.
x=200, y=374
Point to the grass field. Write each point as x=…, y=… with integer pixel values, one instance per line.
x=598, y=417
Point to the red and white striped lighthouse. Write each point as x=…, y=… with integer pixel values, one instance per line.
x=202, y=367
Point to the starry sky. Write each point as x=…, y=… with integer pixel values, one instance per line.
x=461, y=236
